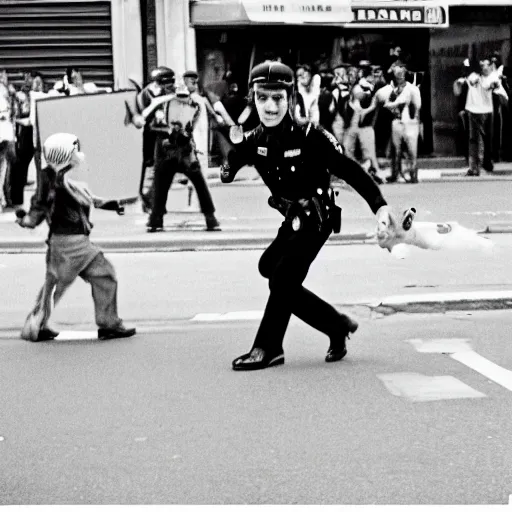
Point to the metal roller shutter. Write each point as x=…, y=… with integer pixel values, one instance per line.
x=50, y=36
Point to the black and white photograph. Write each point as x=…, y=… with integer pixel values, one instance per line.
x=255, y=252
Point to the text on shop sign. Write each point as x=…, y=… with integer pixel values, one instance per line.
x=299, y=7
x=428, y=15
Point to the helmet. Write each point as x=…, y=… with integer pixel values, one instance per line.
x=58, y=149
x=272, y=73
x=162, y=76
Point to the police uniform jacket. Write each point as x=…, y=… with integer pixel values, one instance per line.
x=295, y=162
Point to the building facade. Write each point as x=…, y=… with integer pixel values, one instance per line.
x=216, y=36
x=102, y=38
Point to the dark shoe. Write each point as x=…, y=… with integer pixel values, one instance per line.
x=155, y=225
x=257, y=359
x=116, y=332
x=489, y=167
x=338, y=347
x=212, y=224
x=473, y=173
x=414, y=176
x=392, y=179
x=47, y=334
x=154, y=229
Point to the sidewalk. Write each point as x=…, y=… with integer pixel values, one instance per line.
x=247, y=221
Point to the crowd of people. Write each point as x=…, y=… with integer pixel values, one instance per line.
x=370, y=109
x=18, y=140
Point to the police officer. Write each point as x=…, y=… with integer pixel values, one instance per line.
x=295, y=163
x=175, y=151
x=161, y=81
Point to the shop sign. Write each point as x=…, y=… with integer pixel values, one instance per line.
x=298, y=11
x=433, y=16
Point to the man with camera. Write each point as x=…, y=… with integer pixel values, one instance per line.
x=175, y=152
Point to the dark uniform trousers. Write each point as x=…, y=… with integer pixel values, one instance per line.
x=170, y=159
x=285, y=263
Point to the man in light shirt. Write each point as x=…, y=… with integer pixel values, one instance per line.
x=404, y=103
x=479, y=89
x=308, y=88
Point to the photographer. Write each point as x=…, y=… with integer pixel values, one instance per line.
x=175, y=152
x=479, y=89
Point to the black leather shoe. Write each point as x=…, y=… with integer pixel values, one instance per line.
x=257, y=359
x=47, y=334
x=117, y=332
x=338, y=347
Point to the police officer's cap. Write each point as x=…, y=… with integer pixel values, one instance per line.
x=163, y=75
x=272, y=73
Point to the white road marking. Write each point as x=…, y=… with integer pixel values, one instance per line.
x=460, y=350
x=424, y=388
x=441, y=345
x=485, y=367
x=510, y=499
x=206, y=317
x=232, y=316
x=77, y=335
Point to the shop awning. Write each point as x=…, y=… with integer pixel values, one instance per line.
x=356, y=13
x=247, y=12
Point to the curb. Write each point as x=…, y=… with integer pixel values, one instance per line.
x=498, y=227
x=209, y=242
x=443, y=302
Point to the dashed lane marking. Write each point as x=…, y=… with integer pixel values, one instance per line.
x=77, y=335
x=424, y=388
x=232, y=316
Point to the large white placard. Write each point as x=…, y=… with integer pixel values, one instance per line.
x=113, y=150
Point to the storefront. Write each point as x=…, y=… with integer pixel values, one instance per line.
x=232, y=35
x=102, y=38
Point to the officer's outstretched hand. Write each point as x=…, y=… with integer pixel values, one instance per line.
x=225, y=174
x=392, y=230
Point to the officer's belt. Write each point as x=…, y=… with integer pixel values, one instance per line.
x=319, y=209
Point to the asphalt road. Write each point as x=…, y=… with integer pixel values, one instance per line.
x=162, y=419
